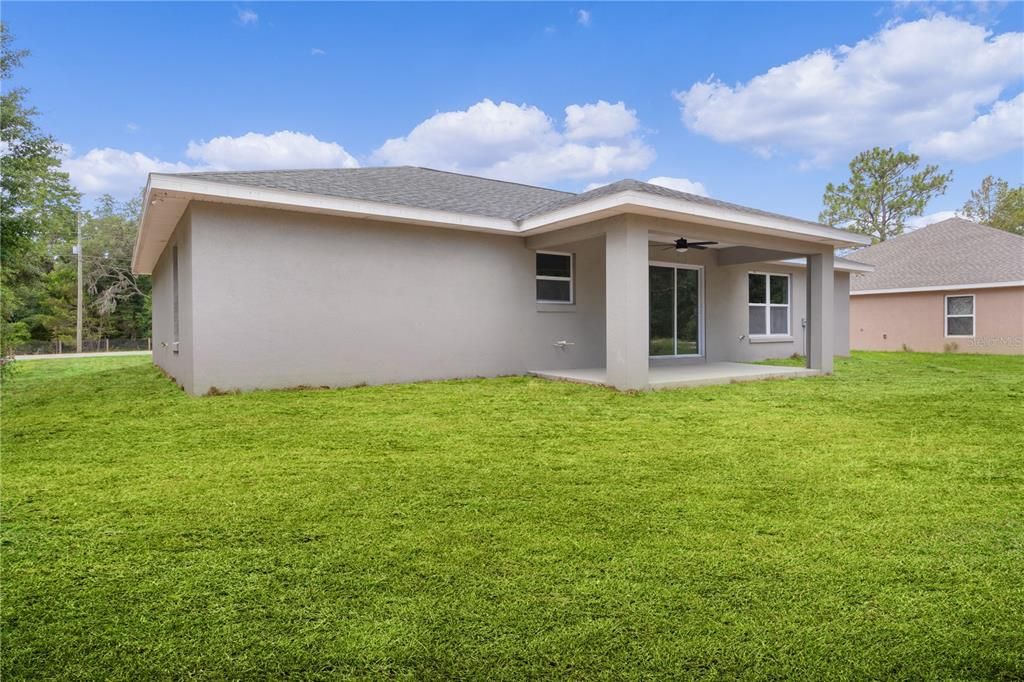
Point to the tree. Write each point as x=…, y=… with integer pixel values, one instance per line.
x=882, y=192
x=35, y=196
x=119, y=297
x=995, y=204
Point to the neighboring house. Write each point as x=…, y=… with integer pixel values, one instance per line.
x=954, y=286
x=272, y=279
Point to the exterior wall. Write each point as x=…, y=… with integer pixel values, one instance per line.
x=276, y=299
x=725, y=305
x=178, y=366
x=917, y=320
x=287, y=299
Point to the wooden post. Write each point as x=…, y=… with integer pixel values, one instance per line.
x=107, y=340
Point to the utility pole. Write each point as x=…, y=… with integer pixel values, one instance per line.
x=78, y=250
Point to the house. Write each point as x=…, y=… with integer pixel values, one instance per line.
x=271, y=279
x=951, y=286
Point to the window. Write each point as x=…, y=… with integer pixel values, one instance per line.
x=554, y=277
x=960, y=315
x=174, y=293
x=768, y=304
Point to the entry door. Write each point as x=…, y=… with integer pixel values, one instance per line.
x=675, y=310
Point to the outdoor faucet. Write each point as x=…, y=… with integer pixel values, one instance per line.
x=563, y=344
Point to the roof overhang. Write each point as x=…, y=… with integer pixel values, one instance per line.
x=167, y=197
x=840, y=265
x=939, y=287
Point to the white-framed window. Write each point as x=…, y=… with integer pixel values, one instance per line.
x=555, y=277
x=768, y=296
x=960, y=315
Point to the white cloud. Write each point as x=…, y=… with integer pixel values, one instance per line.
x=991, y=134
x=521, y=142
x=583, y=17
x=317, y=52
x=115, y=171
x=256, y=151
x=247, y=17
x=131, y=127
x=924, y=220
x=600, y=120
x=122, y=173
x=903, y=85
x=681, y=185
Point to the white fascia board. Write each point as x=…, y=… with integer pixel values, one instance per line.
x=840, y=264
x=358, y=208
x=138, y=233
x=682, y=208
x=940, y=287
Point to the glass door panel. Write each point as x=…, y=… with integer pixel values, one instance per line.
x=662, y=314
x=687, y=312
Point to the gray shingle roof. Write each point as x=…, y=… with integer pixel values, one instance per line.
x=948, y=253
x=442, y=190
x=657, y=190
x=403, y=186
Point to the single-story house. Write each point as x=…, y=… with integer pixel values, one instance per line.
x=272, y=279
x=954, y=285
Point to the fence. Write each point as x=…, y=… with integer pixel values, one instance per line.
x=88, y=346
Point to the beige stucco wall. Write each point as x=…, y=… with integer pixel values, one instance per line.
x=274, y=299
x=178, y=366
x=916, y=320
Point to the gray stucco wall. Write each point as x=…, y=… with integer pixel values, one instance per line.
x=274, y=299
x=178, y=366
x=286, y=299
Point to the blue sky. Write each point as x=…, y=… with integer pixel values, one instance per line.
x=759, y=103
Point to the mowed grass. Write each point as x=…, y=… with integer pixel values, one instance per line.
x=866, y=525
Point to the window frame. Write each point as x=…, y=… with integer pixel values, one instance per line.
x=768, y=305
x=676, y=266
x=571, y=279
x=946, y=316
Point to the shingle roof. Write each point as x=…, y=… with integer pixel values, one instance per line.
x=442, y=190
x=952, y=252
x=657, y=190
x=403, y=186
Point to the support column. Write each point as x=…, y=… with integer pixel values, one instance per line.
x=820, y=321
x=626, y=303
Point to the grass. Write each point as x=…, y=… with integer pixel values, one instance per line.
x=866, y=525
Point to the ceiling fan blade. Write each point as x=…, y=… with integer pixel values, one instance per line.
x=701, y=243
x=697, y=246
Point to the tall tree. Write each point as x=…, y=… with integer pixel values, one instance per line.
x=885, y=188
x=994, y=203
x=35, y=196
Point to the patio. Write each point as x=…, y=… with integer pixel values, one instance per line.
x=662, y=376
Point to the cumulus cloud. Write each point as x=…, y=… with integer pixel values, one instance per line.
x=904, y=85
x=600, y=120
x=583, y=17
x=256, y=151
x=317, y=52
x=115, y=171
x=522, y=143
x=991, y=134
x=680, y=185
x=122, y=173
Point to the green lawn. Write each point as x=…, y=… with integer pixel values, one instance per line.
x=866, y=525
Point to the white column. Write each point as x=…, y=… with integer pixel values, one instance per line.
x=626, y=302
x=820, y=320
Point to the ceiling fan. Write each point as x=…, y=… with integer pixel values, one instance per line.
x=682, y=246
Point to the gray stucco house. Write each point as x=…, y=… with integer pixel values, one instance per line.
x=273, y=279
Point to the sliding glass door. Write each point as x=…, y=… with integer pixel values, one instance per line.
x=675, y=310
